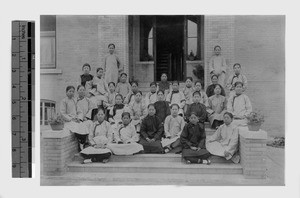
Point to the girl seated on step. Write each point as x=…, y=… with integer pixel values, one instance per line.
x=239, y=105
x=217, y=105
x=224, y=142
x=198, y=108
x=138, y=110
x=130, y=96
x=151, y=97
x=96, y=100
x=74, y=113
x=162, y=107
x=193, y=141
x=173, y=126
x=99, y=136
x=151, y=132
x=176, y=97
x=203, y=96
x=115, y=112
x=110, y=96
x=164, y=85
x=188, y=92
x=86, y=79
x=126, y=138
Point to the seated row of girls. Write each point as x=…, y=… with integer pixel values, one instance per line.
x=103, y=139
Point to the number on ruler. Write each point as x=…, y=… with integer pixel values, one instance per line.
x=23, y=98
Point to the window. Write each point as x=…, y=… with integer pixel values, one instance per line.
x=193, y=38
x=48, y=41
x=47, y=111
x=146, y=38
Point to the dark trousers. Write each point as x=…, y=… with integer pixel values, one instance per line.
x=194, y=156
x=82, y=139
x=195, y=159
x=151, y=147
x=96, y=157
x=176, y=146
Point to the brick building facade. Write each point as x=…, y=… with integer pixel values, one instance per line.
x=257, y=42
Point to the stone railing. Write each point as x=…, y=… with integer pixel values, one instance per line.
x=58, y=148
x=253, y=153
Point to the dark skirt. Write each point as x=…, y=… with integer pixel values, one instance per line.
x=176, y=146
x=96, y=157
x=151, y=147
x=201, y=154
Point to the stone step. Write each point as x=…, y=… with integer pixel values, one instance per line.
x=156, y=167
x=168, y=157
x=88, y=179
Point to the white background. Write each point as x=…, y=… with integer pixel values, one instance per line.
x=31, y=10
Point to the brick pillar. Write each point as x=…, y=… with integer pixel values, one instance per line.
x=58, y=149
x=253, y=153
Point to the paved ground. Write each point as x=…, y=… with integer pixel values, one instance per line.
x=275, y=176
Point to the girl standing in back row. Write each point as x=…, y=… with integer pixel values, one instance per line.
x=217, y=65
x=112, y=65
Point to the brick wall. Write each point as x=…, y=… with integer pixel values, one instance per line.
x=253, y=153
x=218, y=30
x=259, y=47
x=83, y=39
x=58, y=148
x=113, y=29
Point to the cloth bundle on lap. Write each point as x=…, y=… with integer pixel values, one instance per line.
x=129, y=138
x=98, y=152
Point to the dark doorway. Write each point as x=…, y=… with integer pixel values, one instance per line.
x=169, y=47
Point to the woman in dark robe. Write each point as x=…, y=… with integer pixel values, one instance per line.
x=151, y=132
x=162, y=107
x=197, y=108
x=210, y=89
x=193, y=141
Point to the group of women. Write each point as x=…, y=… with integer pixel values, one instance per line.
x=166, y=119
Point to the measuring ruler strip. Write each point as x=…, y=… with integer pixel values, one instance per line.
x=23, y=67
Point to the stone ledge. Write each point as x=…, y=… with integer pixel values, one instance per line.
x=55, y=134
x=255, y=135
x=145, y=63
x=51, y=71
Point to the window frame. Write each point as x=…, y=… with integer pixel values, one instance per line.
x=49, y=34
x=43, y=107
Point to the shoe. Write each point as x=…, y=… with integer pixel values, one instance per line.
x=104, y=161
x=188, y=162
x=207, y=162
x=167, y=150
x=236, y=158
x=87, y=161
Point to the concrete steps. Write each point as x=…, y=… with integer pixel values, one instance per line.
x=156, y=167
x=168, y=157
x=94, y=178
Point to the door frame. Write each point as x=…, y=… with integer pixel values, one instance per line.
x=184, y=50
